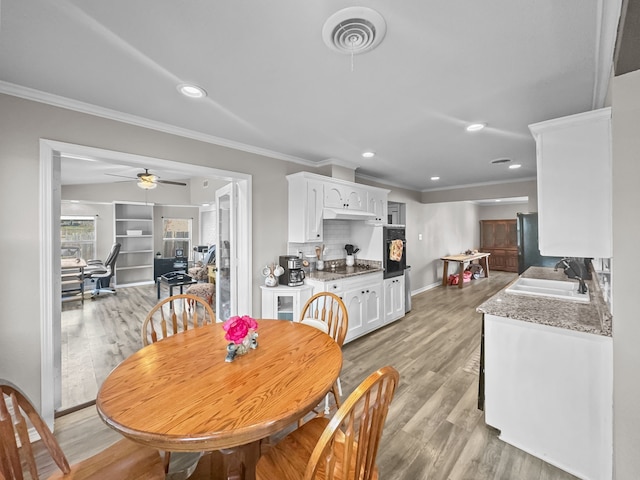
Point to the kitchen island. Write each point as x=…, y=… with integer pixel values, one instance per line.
x=546, y=376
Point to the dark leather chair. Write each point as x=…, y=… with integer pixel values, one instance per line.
x=103, y=272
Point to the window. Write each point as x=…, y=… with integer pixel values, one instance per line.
x=176, y=235
x=78, y=237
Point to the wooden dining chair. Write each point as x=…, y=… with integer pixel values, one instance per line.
x=327, y=312
x=343, y=448
x=176, y=314
x=125, y=460
x=168, y=317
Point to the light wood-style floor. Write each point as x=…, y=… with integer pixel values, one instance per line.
x=98, y=335
x=434, y=430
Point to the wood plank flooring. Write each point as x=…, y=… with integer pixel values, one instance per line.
x=434, y=430
x=97, y=336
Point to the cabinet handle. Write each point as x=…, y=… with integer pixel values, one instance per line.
x=367, y=291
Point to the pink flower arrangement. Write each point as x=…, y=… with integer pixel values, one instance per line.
x=238, y=328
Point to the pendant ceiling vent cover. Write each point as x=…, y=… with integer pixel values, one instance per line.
x=354, y=30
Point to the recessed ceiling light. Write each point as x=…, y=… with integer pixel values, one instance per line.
x=498, y=200
x=435, y=178
x=476, y=127
x=369, y=154
x=515, y=165
x=191, y=91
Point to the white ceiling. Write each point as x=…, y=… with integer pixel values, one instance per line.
x=275, y=87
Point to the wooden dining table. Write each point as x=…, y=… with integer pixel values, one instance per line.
x=180, y=395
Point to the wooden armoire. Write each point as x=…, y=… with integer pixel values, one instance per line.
x=500, y=239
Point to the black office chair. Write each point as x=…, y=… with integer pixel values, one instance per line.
x=102, y=272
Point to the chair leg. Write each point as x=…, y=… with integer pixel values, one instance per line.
x=336, y=394
x=339, y=387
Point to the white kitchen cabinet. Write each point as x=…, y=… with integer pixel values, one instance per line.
x=549, y=391
x=134, y=231
x=393, y=298
x=284, y=302
x=377, y=204
x=348, y=196
x=574, y=185
x=363, y=296
x=305, y=209
x=310, y=193
x=364, y=304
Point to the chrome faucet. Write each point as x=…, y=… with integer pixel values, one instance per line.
x=572, y=265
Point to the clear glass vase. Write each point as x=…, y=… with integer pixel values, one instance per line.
x=244, y=346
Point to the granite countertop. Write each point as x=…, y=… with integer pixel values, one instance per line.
x=341, y=271
x=592, y=317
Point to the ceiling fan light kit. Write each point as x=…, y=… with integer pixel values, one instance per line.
x=146, y=185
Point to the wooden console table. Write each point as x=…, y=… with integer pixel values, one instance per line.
x=462, y=260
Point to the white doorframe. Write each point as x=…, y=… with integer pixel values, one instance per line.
x=50, y=309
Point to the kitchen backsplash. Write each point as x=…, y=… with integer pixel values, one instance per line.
x=337, y=233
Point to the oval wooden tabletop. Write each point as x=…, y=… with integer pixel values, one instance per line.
x=180, y=395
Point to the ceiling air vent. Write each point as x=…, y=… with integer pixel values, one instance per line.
x=354, y=30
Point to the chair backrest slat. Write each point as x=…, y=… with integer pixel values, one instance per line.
x=330, y=309
x=348, y=447
x=14, y=428
x=176, y=314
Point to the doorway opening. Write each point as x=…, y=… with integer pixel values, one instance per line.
x=50, y=318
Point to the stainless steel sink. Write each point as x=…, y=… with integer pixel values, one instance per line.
x=548, y=288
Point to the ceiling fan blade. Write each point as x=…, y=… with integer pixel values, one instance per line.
x=121, y=176
x=169, y=182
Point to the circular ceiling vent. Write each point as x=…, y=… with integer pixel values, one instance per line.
x=354, y=30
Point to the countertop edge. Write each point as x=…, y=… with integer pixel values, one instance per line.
x=593, y=317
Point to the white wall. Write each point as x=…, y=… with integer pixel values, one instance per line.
x=527, y=188
x=502, y=211
x=626, y=239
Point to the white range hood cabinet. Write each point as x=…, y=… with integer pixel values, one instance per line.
x=346, y=214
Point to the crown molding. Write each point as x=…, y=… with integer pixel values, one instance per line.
x=481, y=184
x=82, y=107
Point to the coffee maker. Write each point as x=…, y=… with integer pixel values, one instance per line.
x=293, y=275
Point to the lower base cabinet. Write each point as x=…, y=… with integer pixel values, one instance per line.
x=363, y=296
x=394, y=298
x=364, y=305
x=549, y=391
x=283, y=302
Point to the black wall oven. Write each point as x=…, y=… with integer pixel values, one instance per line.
x=395, y=250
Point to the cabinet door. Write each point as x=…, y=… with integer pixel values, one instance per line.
x=373, y=307
x=393, y=299
x=377, y=204
x=314, y=211
x=344, y=196
x=353, y=300
x=574, y=185
x=305, y=210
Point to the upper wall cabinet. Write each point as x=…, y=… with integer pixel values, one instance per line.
x=377, y=204
x=310, y=194
x=574, y=184
x=305, y=209
x=337, y=195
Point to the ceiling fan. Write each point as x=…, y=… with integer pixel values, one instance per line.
x=148, y=181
